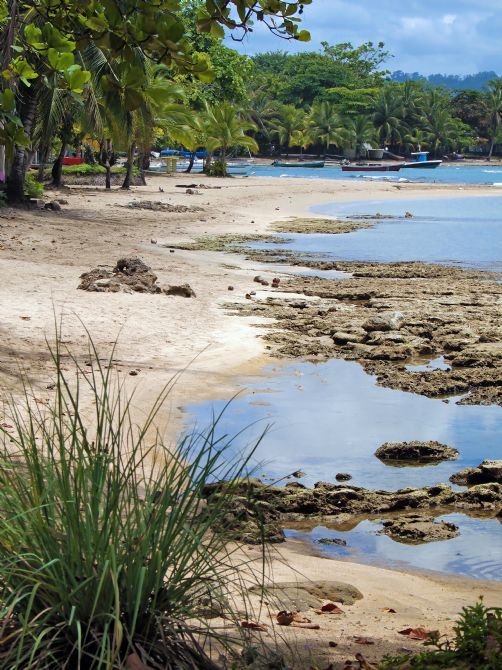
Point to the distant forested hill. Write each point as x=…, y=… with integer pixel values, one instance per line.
x=474, y=82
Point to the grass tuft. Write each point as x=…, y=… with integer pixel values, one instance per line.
x=108, y=557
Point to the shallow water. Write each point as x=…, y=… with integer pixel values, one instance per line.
x=453, y=231
x=331, y=417
x=444, y=174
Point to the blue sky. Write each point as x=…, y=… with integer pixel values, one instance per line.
x=427, y=36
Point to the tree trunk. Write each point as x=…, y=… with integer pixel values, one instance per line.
x=191, y=162
x=207, y=163
x=2, y=163
x=130, y=158
x=15, y=181
x=43, y=156
x=57, y=168
x=492, y=144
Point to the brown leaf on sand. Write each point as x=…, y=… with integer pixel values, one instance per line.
x=134, y=662
x=416, y=633
x=364, y=664
x=255, y=625
x=285, y=618
x=25, y=318
x=363, y=640
x=331, y=608
x=311, y=626
x=389, y=610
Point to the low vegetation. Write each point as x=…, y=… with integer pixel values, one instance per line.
x=108, y=558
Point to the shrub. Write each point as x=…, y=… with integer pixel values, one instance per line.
x=84, y=169
x=32, y=187
x=106, y=552
x=217, y=169
x=477, y=644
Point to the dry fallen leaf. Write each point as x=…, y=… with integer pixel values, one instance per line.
x=285, y=618
x=363, y=640
x=254, y=625
x=332, y=608
x=364, y=664
x=389, y=610
x=25, y=318
x=311, y=626
x=333, y=644
x=416, y=633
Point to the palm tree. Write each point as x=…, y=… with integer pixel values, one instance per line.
x=359, y=130
x=225, y=129
x=494, y=110
x=324, y=126
x=440, y=129
x=290, y=121
x=388, y=117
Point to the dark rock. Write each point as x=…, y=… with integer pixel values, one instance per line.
x=184, y=291
x=332, y=540
x=416, y=451
x=343, y=477
x=131, y=266
x=385, y=321
x=298, y=474
x=295, y=485
x=230, y=288
x=485, y=473
x=416, y=529
x=259, y=279
x=53, y=205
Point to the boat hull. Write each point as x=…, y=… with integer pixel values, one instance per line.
x=422, y=165
x=371, y=168
x=311, y=164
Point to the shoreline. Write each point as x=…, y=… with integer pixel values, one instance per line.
x=45, y=252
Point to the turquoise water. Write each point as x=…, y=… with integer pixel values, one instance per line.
x=463, y=231
x=444, y=174
x=330, y=417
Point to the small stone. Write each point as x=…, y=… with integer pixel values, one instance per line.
x=332, y=540
x=264, y=283
x=343, y=477
x=171, y=251
x=332, y=644
x=259, y=279
x=183, y=291
x=133, y=373
x=152, y=241
x=298, y=474
x=252, y=292
x=230, y=288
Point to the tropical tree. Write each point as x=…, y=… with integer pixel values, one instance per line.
x=289, y=123
x=494, y=111
x=388, y=117
x=358, y=130
x=324, y=126
x=226, y=128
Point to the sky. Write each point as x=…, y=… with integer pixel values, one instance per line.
x=426, y=36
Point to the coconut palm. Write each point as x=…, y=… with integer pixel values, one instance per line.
x=358, y=130
x=225, y=129
x=494, y=111
x=388, y=117
x=289, y=123
x=440, y=128
x=324, y=126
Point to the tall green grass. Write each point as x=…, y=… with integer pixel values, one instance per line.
x=107, y=552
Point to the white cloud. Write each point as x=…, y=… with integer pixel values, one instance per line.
x=448, y=36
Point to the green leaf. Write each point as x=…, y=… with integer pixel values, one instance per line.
x=303, y=36
x=8, y=100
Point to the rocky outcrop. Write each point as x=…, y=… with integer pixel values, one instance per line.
x=327, y=499
x=486, y=472
x=416, y=529
x=130, y=275
x=388, y=315
x=415, y=452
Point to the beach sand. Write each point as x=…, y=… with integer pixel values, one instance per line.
x=43, y=255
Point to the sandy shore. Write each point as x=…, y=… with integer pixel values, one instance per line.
x=43, y=254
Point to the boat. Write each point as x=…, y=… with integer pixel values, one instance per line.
x=371, y=168
x=304, y=164
x=422, y=162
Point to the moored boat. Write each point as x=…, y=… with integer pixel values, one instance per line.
x=304, y=164
x=371, y=168
x=422, y=162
